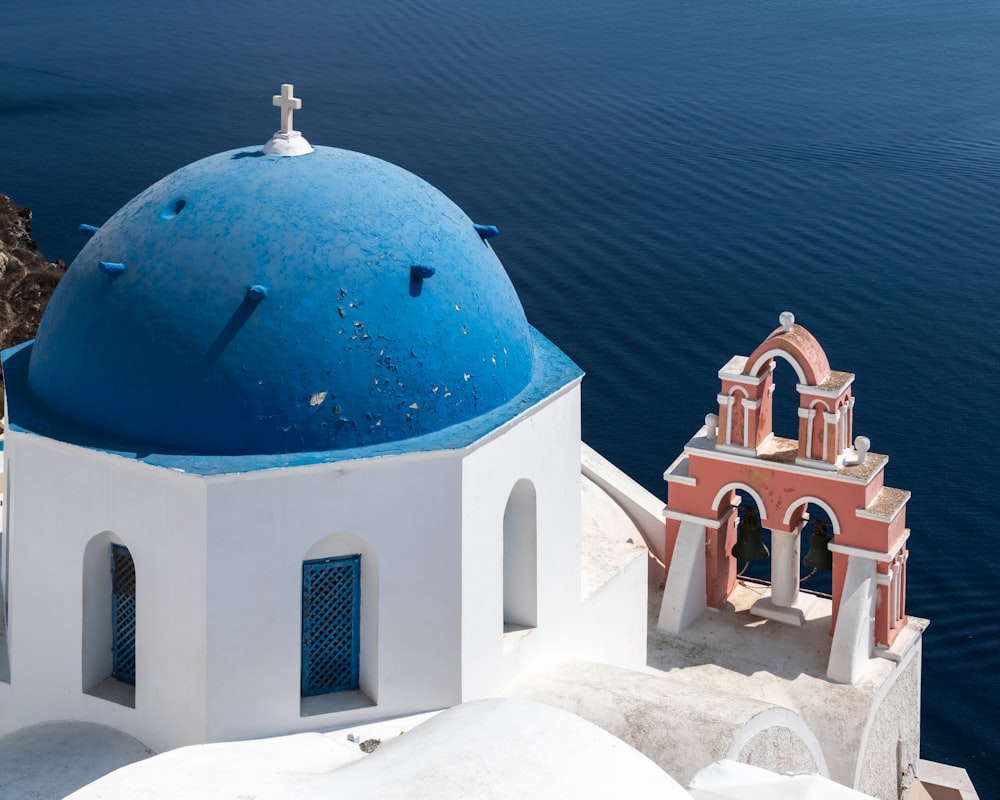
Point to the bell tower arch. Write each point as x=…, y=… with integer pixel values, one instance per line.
x=737, y=449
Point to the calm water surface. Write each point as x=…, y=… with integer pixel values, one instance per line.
x=668, y=175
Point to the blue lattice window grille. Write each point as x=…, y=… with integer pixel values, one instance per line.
x=122, y=614
x=331, y=624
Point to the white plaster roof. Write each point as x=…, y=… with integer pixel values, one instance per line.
x=730, y=780
x=545, y=753
x=712, y=682
x=55, y=758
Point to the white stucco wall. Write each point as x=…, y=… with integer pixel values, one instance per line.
x=891, y=738
x=218, y=564
x=403, y=515
x=219, y=573
x=61, y=497
x=543, y=447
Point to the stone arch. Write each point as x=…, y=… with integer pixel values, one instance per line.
x=761, y=507
x=96, y=619
x=758, y=366
x=347, y=544
x=783, y=730
x=520, y=557
x=798, y=347
x=805, y=500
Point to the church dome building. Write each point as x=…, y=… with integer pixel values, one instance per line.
x=314, y=465
x=286, y=462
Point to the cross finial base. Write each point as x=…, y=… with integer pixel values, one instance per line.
x=287, y=142
x=292, y=143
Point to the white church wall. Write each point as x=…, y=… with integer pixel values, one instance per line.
x=403, y=514
x=612, y=626
x=51, y=664
x=542, y=448
x=219, y=560
x=890, y=743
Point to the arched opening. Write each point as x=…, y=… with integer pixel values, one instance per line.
x=821, y=526
x=109, y=620
x=339, y=626
x=756, y=571
x=520, y=558
x=785, y=400
x=820, y=519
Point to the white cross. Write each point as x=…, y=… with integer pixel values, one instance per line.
x=287, y=104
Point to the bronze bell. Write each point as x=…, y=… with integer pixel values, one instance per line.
x=749, y=543
x=819, y=556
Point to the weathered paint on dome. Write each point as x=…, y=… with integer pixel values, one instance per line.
x=280, y=305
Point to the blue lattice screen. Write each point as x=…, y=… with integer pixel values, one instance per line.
x=331, y=624
x=122, y=614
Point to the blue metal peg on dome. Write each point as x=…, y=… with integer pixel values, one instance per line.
x=417, y=275
x=111, y=267
x=90, y=230
x=256, y=293
x=486, y=231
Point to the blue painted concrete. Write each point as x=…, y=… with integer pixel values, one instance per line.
x=487, y=231
x=552, y=371
x=110, y=268
x=344, y=352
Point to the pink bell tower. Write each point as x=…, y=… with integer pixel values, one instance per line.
x=737, y=450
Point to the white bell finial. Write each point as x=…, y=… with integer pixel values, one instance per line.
x=786, y=320
x=711, y=427
x=862, y=444
x=287, y=142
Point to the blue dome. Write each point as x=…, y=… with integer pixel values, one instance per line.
x=255, y=304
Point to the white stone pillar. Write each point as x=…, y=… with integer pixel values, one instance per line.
x=854, y=635
x=785, y=603
x=831, y=437
x=809, y=415
x=785, y=567
x=684, y=592
x=726, y=402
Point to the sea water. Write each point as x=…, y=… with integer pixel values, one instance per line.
x=667, y=175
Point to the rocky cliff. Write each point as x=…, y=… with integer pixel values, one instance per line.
x=27, y=280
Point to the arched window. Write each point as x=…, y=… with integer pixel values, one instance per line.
x=339, y=641
x=520, y=558
x=108, y=623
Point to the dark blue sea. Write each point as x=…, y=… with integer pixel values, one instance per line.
x=667, y=176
